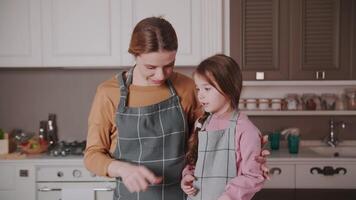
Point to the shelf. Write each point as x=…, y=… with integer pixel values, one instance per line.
x=300, y=113
x=348, y=83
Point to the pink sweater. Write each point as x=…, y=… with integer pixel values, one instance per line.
x=249, y=179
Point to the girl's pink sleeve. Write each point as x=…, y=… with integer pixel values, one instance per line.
x=249, y=179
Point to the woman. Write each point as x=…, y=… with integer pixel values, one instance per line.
x=140, y=119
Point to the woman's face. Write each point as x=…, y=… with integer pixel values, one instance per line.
x=211, y=98
x=152, y=69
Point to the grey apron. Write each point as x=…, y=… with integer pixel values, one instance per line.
x=216, y=163
x=153, y=136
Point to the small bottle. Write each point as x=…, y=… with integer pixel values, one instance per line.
x=52, y=130
x=43, y=133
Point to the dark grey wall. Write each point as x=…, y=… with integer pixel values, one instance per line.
x=28, y=95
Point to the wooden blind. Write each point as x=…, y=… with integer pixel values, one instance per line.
x=320, y=33
x=260, y=30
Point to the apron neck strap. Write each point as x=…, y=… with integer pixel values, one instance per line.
x=125, y=84
x=232, y=120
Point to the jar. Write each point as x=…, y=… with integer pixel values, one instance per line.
x=328, y=101
x=251, y=104
x=263, y=104
x=350, y=98
x=292, y=101
x=242, y=104
x=311, y=102
x=276, y=104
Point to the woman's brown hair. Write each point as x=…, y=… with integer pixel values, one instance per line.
x=223, y=73
x=153, y=34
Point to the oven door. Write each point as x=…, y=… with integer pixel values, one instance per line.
x=75, y=190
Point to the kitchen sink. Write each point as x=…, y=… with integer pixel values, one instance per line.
x=339, y=151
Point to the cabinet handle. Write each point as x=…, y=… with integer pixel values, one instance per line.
x=274, y=170
x=317, y=75
x=328, y=170
x=104, y=189
x=47, y=189
x=323, y=75
x=339, y=169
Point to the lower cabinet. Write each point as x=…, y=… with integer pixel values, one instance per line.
x=332, y=180
x=306, y=194
x=325, y=194
x=275, y=194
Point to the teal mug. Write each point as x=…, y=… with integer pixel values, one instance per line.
x=293, y=143
x=274, y=139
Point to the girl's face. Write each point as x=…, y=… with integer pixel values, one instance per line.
x=152, y=69
x=211, y=98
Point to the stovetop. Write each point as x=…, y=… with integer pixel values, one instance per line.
x=64, y=148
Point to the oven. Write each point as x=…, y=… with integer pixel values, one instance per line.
x=69, y=182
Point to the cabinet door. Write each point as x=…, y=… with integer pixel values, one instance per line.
x=56, y=190
x=335, y=175
x=20, y=38
x=259, y=38
x=275, y=194
x=282, y=176
x=81, y=33
x=320, y=39
x=198, y=24
x=325, y=194
x=353, y=54
x=17, y=182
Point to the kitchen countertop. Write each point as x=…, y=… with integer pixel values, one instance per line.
x=281, y=155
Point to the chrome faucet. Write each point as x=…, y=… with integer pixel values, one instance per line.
x=331, y=139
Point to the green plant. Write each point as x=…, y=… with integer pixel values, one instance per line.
x=2, y=134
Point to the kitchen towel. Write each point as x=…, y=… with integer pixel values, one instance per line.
x=77, y=194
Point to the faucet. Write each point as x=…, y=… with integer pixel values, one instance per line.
x=331, y=139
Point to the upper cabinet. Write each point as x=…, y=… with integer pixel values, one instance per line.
x=198, y=24
x=97, y=33
x=20, y=35
x=294, y=39
x=81, y=33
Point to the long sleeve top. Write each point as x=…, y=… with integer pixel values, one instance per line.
x=249, y=179
x=102, y=130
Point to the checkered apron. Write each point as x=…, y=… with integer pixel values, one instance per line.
x=153, y=136
x=216, y=163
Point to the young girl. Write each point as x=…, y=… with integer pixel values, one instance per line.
x=222, y=150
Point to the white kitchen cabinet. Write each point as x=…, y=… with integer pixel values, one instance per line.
x=55, y=191
x=282, y=176
x=17, y=182
x=80, y=33
x=20, y=35
x=198, y=24
x=333, y=175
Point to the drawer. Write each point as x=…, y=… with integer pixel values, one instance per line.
x=282, y=176
x=326, y=175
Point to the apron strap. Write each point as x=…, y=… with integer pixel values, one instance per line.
x=124, y=87
x=234, y=118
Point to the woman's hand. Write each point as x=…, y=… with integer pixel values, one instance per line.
x=187, y=185
x=135, y=178
x=262, y=158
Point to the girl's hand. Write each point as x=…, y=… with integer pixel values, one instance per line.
x=263, y=157
x=135, y=178
x=187, y=185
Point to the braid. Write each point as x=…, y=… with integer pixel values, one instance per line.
x=192, y=152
